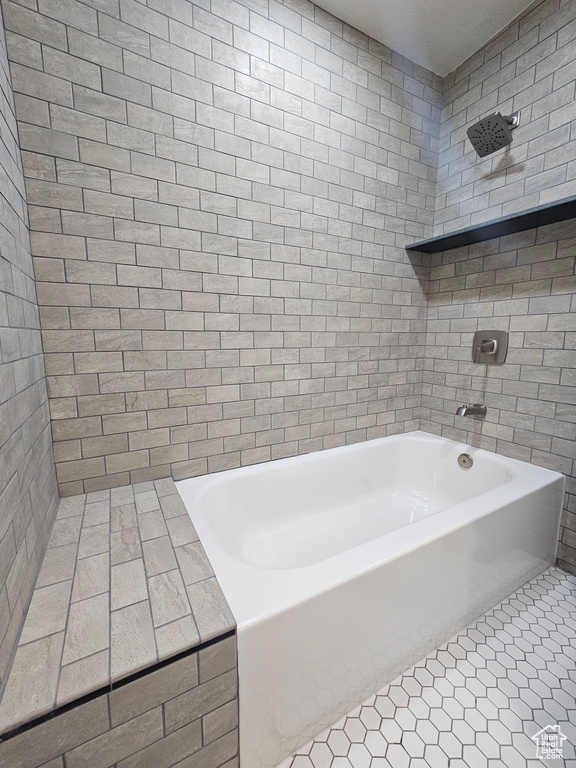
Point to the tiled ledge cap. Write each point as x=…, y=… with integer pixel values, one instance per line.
x=125, y=583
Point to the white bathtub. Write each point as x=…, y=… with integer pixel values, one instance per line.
x=344, y=567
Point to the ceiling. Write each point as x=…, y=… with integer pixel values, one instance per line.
x=437, y=34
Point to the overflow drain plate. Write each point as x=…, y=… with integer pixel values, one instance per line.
x=465, y=460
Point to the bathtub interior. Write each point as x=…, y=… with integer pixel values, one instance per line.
x=300, y=512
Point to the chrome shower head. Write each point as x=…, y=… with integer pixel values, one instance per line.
x=493, y=132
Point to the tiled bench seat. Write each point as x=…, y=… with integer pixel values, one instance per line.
x=124, y=585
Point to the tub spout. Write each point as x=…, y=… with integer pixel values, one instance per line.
x=476, y=411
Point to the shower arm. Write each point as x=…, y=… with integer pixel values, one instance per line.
x=512, y=120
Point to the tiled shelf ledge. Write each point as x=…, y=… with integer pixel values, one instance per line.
x=124, y=585
x=551, y=213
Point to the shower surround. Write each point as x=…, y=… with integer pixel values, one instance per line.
x=219, y=196
x=523, y=283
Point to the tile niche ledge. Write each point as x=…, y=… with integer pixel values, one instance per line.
x=125, y=585
x=550, y=213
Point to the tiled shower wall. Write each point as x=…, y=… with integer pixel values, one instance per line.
x=219, y=197
x=531, y=67
x=523, y=284
x=27, y=479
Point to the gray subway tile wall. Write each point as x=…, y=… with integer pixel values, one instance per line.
x=219, y=194
x=529, y=67
x=27, y=479
x=219, y=197
x=523, y=284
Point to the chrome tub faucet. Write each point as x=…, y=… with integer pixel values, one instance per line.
x=476, y=411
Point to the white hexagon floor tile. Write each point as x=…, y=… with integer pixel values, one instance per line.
x=476, y=702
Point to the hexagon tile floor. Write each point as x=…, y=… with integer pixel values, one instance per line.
x=478, y=700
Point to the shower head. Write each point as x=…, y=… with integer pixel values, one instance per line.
x=493, y=132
